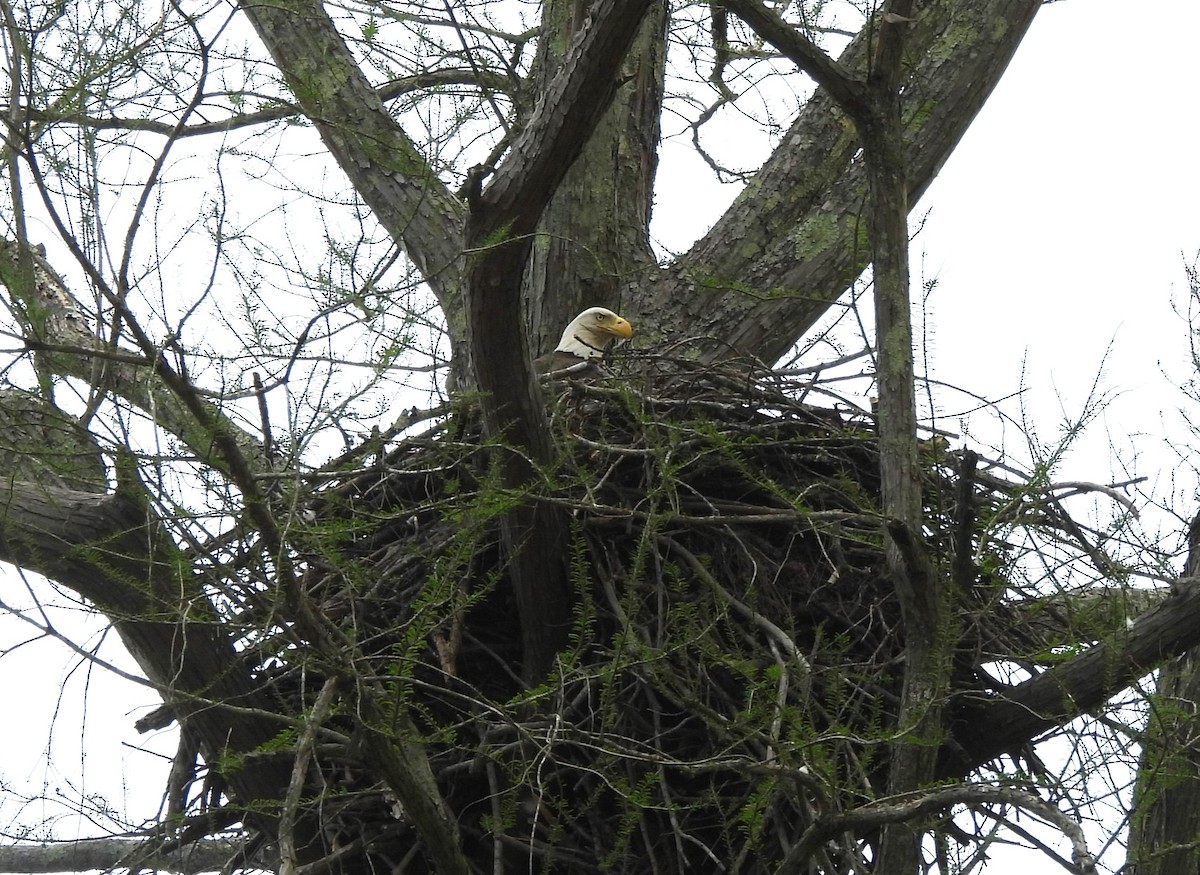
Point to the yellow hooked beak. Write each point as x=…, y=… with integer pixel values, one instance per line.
x=620, y=328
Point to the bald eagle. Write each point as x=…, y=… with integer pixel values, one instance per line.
x=585, y=339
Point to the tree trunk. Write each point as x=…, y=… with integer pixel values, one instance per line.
x=593, y=244
x=500, y=227
x=1164, y=833
x=922, y=592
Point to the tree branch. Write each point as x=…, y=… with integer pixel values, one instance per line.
x=499, y=233
x=900, y=810
x=840, y=83
x=383, y=164
x=277, y=112
x=115, y=853
x=113, y=551
x=58, y=333
x=983, y=730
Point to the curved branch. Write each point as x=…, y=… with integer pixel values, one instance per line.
x=281, y=110
x=115, y=853
x=58, y=333
x=113, y=551
x=890, y=811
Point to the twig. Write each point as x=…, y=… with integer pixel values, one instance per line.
x=877, y=814
x=1079, y=487
x=784, y=640
x=288, y=858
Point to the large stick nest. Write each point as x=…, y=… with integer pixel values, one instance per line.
x=737, y=651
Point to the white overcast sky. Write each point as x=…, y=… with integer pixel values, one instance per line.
x=1063, y=221
x=1059, y=225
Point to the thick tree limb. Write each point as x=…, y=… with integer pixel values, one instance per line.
x=113, y=853
x=1166, y=799
x=873, y=103
x=569, y=110
x=499, y=233
x=982, y=731
x=112, y=550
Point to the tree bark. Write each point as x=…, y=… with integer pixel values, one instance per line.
x=873, y=104
x=1164, y=833
x=108, y=854
x=593, y=243
x=929, y=637
x=502, y=220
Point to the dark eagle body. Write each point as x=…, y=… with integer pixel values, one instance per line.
x=584, y=342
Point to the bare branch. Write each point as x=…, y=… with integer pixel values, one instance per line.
x=1075, y=687
x=892, y=811
x=210, y=855
x=277, y=110
x=69, y=347
x=385, y=167
x=841, y=84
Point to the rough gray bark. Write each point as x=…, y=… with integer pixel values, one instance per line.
x=82, y=856
x=593, y=246
x=1164, y=833
x=502, y=220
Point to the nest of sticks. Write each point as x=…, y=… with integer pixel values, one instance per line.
x=737, y=650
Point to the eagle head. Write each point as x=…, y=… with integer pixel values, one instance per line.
x=590, y=333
